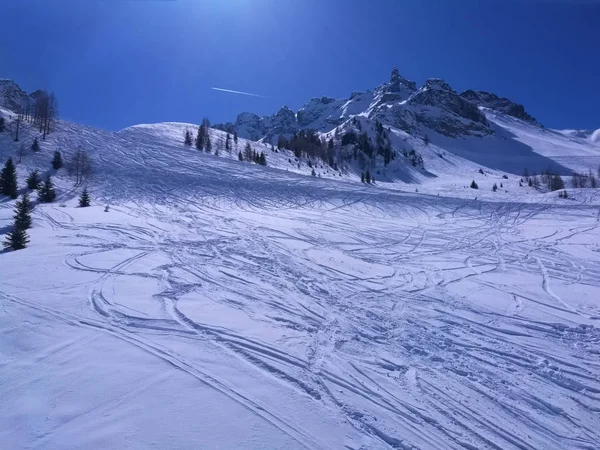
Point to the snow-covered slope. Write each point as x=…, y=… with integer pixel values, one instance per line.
x=220, y=304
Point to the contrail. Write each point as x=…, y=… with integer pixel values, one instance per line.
x=237, y=92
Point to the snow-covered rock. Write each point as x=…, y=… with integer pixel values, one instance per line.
x=501, y=104
x=12, y=97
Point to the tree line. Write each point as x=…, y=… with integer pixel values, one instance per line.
x=18, y=238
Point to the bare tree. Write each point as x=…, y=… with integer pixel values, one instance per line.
x=45, y=112
x=80, y=167
x=20, y=152
x=18, y=122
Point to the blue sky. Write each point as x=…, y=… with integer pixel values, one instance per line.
x=114, y=63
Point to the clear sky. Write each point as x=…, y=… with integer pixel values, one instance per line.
x=114, y=63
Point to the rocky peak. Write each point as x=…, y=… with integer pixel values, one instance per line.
x=438, y=84
x=439, y=107
x=398, y=83
x=286, y=115
x=12, y=96
x=500, y=104
x=320, y=112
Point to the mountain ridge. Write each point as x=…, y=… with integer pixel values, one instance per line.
x=435, y=106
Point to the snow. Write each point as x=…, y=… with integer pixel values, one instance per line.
x=219, y=304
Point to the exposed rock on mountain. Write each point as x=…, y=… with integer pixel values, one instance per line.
x=500, y=104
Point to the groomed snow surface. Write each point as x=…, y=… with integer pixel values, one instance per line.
x=219, y=304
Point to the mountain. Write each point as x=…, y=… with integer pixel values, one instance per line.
x=433, y=108
x=12, y=97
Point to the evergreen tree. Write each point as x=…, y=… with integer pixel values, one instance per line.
x=565, y=195
x=281, y=142
x=362, y=177
x=474, y=185
x=367, y=176
x=494, y=187
x=530, y=182
x=200, y=136
x=23, y=208
x=187, y=139
x=313, y=173
x=84, y=200
x=556, y=183
x=426, y=140
x=2, y=128
x=228, y=142
x=235, y=137
x=240, y=156
x=57, y=161
x=17, y=239
x=46, y=192
x=33, y=180
x=248, y=152
x=35, y=146
x=8, y=179
x=208, y=144
x=262, y=159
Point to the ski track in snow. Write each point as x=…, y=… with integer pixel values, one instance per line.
x=412, y=321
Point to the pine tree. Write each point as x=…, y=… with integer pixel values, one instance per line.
x=530, y=182
x=474, y=185
x=46, y=192
x=57, y=161
x=235, y=137
x=35, y=147
x=565, y=195
x=208, y=144
x=2, y=128
x=187, y=139
x=313, y=173
x=228, y=142
x=248, y=152
x=17, y=239
x=9, y=179
x=556, y=183
x=367, y=176
x=84, y=200
x=262, y=159
x=426, y=140
x=33, y=180
x=23, y=208
x=494, y=187
x=362, y=177
x=240, y=156
x=200, y=138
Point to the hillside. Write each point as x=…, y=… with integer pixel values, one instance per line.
x=223, y=304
